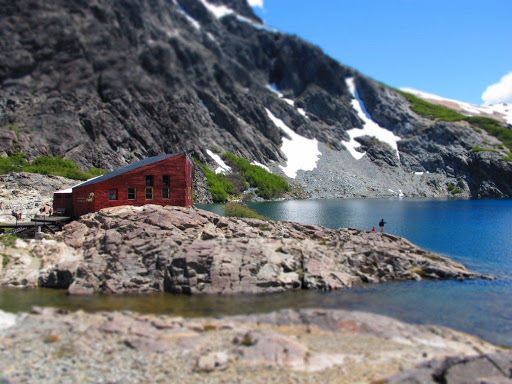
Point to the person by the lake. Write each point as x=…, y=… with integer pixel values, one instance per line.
x=374, y=230
x=381, y=225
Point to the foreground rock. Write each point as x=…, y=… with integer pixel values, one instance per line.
x=303, y=346
x=180, y=250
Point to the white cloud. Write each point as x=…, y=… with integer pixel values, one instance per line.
x=500, y=92
x=256, y=3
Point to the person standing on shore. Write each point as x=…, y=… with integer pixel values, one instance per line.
x=381, y=225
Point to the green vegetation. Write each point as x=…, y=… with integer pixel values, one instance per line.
x=493, y=128
x=419, y=271
x=5, y=260
x=14, y=128
x=480, y=149
x=9, y=240
x=219, y=186
x=269, y=185
x=429, y=110
x=508, y=157
x=233, y=209
x=454, y=190
x=437, y=112
x=46, y=165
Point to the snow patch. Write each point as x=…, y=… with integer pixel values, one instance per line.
x=218, y=11
x=222, y=166
x=7, y=320
x=273, y=87
x=419, y=173
x=261, y=165
x=302, y=153
x=256, y=3
x=370, y=127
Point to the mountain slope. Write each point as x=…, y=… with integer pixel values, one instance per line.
x=105, y=83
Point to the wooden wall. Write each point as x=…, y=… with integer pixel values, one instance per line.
x=178, y=167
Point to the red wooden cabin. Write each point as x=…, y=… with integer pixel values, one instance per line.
x=162, y=180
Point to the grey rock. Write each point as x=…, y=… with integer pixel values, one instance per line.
x=186, y=250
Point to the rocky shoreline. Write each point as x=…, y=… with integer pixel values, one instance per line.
x=290, y=346
x=192, y=251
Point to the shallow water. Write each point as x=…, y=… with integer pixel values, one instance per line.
x=477, y=233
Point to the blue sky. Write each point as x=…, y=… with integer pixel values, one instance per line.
x=452, y=48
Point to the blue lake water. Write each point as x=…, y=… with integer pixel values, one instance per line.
x=477, y=233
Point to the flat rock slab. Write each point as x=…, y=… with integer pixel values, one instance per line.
x=299, y=346
x=192, y=251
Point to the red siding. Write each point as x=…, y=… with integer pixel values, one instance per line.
x=178, y=167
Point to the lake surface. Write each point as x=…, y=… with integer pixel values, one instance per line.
x=477, y=233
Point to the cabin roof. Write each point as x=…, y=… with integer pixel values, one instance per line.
x=128, y=168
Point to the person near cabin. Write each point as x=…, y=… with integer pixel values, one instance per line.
x=381, y=225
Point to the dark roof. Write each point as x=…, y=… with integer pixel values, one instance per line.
x=128, y=168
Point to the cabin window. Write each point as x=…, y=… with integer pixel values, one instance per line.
x=68, y=196
x=149, y=193
x=132, y=193
x=150, y=179
x=166, y=192
x=166, y=180
x=112, y=194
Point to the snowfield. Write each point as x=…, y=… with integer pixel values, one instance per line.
x=502, y=111
x=370, y=127
x=261, y=165
x=222, y=166
x=273, y=87
x=302, y=153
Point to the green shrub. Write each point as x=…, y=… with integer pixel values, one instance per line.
x=451, y=187
x=432, y=111
x=480, y=149
x=438, y=112
x=5, y=260
x=233, y=209
x=456, y=191
x=269, y=185
x=493, y=128
x=47, y=165
x=219, y=186
x=8, y=240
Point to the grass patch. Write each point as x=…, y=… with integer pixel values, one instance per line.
x=219, y=186
x=456, y=191
x=493, y=128
x=429, y=110
x=5, y=260
x=241, y=210
x=480, y=149
x=438, y=112
x=269, y=185
x=9, y=240
x=46, y=165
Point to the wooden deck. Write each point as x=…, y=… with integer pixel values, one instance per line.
x=37, y=221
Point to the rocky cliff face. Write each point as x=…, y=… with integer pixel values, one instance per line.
x=105, y=83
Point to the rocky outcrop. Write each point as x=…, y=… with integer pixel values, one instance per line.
x=180, y=250
x=493, y=368
x=300, y=346
x=105, y=83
